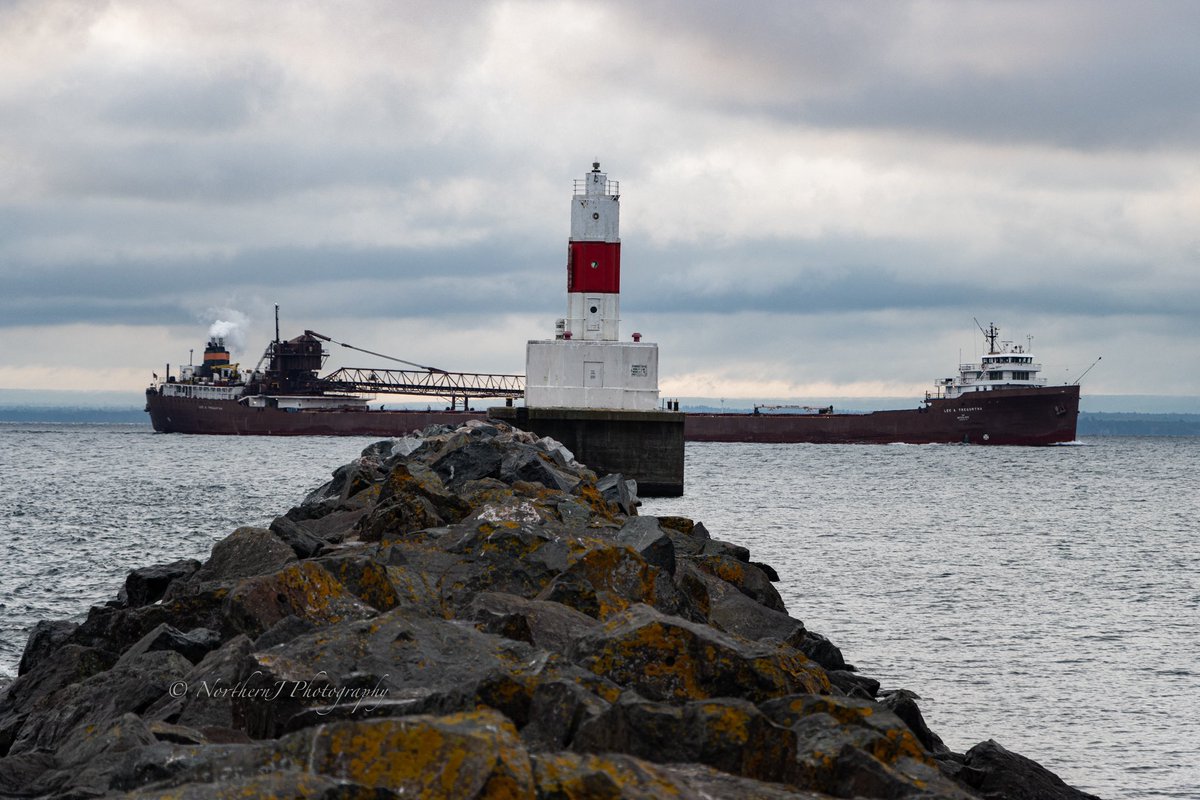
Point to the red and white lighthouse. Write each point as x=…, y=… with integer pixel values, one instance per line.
x=594, y=259
x=585, y=366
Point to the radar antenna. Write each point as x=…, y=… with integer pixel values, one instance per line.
x=990, y=334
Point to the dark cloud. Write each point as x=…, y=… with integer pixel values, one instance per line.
x=838, y=276
x=193, y=98
x=1129, y=101
x=476, y=279
x=1111, y=75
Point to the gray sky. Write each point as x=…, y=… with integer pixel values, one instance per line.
x=817, y=198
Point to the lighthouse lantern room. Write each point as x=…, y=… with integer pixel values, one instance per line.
x=585, y=366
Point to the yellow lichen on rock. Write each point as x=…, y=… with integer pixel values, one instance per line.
x=469, y=755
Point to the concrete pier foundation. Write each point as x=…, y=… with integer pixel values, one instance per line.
x=644, y=445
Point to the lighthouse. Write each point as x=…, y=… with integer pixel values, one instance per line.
x=586, y=365
x=587, y=388
x=594, y=259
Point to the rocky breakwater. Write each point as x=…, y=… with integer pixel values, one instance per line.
x=468, y=613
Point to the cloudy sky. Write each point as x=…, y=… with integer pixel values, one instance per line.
x=818, y=198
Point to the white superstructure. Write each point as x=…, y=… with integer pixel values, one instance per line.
x=1005, y=366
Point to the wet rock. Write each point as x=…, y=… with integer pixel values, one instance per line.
x=903, y=704
x=651, y=542
x=546, y=625
x=98, y=701
x=44, y=640
x=296, y=535
x=999, y=774
x=768, y=570
x=557, y=709
x=470, y=462
x=731, y=610
x=286, y=629
x=193, y=645
x=749, y=580
x=37, y=689
x=247, y=551
x=146, y=585
x=823, y=651
x=202, y=700
x=853, y=684
x=715, y=547
x=620, y=491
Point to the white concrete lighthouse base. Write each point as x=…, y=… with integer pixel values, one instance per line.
x=569, y=373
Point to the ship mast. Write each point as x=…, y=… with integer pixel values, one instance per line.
x=990, y=335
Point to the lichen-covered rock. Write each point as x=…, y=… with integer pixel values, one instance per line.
x=749, y=579
x=471, y=755
x=607, y=579
x=730, y=735
x=360, y=573
x=411, y=498
x=305, y=590
x=549, y=626
x=668, y=658
x=650, y=541
x=612, y=776
x=728, y=608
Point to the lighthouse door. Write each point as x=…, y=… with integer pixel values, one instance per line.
x=593, y=313
x=593, y=373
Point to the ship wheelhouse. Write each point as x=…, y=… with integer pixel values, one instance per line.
x=1005, y=366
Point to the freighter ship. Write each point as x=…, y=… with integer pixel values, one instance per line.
x=284, y=395
x=1001, y=400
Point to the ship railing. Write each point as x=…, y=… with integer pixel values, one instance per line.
x=610, y=187
x=425, y=382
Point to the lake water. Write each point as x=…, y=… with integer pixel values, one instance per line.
x=1048, y=598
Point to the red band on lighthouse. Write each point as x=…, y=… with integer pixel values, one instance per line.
x=594, y=267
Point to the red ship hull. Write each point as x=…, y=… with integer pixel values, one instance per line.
x=1018, y=416
x=230, y=418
